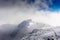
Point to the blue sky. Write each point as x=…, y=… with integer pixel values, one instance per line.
x=56, y=5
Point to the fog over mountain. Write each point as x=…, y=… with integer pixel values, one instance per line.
x=27, y=19
x=6, y=30
x=26, y=31
x=16, y=32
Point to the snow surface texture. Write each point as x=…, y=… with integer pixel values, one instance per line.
x=37, y=34
x=30, y=30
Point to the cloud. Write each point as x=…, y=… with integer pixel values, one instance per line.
x=21, y=10
x=39, y=4
x=15, y=11
x=6, y=30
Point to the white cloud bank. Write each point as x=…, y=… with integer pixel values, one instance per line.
x=21, y=11
x=52, y=18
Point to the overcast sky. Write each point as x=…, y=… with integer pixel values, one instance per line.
x=15, y=11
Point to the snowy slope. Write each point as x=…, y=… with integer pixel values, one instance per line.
x=40, y=34
x=27, y=26
x=30, y=30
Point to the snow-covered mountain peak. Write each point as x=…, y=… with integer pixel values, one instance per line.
x=40, y=34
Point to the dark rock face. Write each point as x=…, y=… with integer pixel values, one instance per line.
x=21, y=27
x=19, y=32
x=24, y=23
